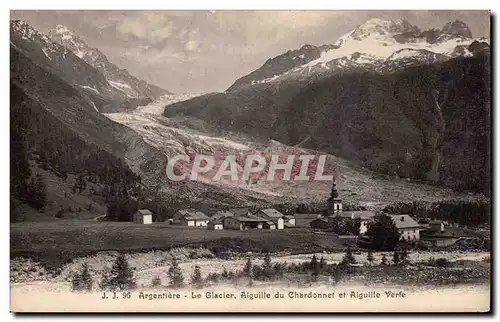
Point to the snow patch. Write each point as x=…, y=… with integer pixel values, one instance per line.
x=91, y=88
x=46, y=54
x=119, y=85
x=95, y=107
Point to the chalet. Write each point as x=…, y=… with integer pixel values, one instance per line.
x=190, y=217
x=407, y=227
x=437, y=225
x=240, y=212
x=272, y=215
x=143, y=216
x=216, y=224
x=247, y=222
x=221, y=215
x=319, y=223
x=304, y=220
x=441, y=235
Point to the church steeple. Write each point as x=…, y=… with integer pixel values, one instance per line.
x=334, y=202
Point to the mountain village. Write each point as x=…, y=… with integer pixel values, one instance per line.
x=424, y=233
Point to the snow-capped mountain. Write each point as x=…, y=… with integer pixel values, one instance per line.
x=377, y=45
x=61, y=61
x=118, y=78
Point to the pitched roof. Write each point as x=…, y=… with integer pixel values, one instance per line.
x=322, y=219
x=217, y=221
x=144, y=212
x=221, y=215
x=306, y=216
x=240, y=211
x=404, y=221
x=250, y=218
x=272, y=213
x=362, y=214
x=193, y=214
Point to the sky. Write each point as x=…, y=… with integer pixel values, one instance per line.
x=206, y=51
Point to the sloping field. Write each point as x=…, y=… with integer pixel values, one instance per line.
x=66, y=239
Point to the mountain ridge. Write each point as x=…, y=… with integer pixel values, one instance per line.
x=117, y=77
x=367, y=46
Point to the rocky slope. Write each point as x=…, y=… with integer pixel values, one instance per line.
x=65, y=64
x=377, y=45
x=118, y=78
x=382, y=119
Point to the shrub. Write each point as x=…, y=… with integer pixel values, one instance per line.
x=348, y=257
x=247, y=271
x=156, y=281
x=175, y=274
x=395, y=258
x=369, y=257
x=442, y=262
x=196, y=278
x=82, y=281
x=384, y=260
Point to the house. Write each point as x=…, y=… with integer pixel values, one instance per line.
x=273, y=215
x=304, y=220
x=221, y=215
x=289, y=221
x=442, y=234
x=363, y=215
x=238, y=212
x=143, y=216
x=319, y=223
x=217, y=224
x=247, y=222
x=191, y=218
x=407, y=227
x=437, y=225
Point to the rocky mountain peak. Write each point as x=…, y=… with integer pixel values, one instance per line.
x=382, y=27
x=457, y=27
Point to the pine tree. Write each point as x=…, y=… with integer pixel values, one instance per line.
x=384, y=260
x=225, y=274
x=382, y=232
x=404, y=253
x=82, y=281
x=156, y=281
x=322, y=263
x=369, y=257
x=314, y=266
x=348, y=257
x=175, y=274
x=104, y=284
x=247, y=271
x=267, y=266
x=122, y=276
x=396, y=259
x=196, y=278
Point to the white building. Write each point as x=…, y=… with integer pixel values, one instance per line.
x=217, y=224
x=408, y=228
x=143, y=216
x=248, y=222
x=191, y=218
x=273, y=215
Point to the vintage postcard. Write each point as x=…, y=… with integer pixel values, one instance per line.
x=250, y=161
